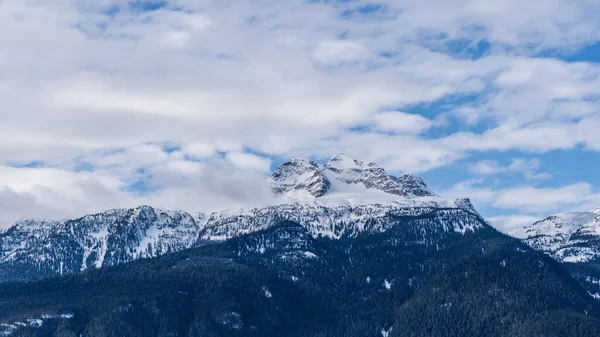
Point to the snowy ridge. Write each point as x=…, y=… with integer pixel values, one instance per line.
x=346, y=198
x=336, y=218
x=97, y=240
x=568, y=237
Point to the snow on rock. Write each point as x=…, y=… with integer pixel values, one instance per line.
x=386, y=333
x=35, y=322
x=231, y=320
x=567, y=237
x=413, y=186
x=334, y=218
x=7, y=329
x=299, y=178
x=267, y=293
x=370, y=176
x=387, y=284
x=97, y=240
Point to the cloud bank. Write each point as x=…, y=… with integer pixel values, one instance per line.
x=114, y=103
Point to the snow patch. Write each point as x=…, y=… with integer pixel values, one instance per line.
x=232, y=320
x=35, y=322
x=386, y=333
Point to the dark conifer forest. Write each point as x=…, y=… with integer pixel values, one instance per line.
x=482, y=283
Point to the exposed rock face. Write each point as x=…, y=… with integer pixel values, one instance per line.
x=413, y=186
x=352, y=171
x=299, y=176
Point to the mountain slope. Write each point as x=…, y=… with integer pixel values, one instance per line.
x=573, y=239
x=34, y=249
x=415, y=279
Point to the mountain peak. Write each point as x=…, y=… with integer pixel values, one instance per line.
x=299, y=177
x=353, y=171
x=596, y=211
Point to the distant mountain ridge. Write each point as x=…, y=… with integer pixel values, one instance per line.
x=566, y=236
x=573, y=239
x=45, y=248
x=345, y=198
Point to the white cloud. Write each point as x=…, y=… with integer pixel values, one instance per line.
x=281, y=78
x=249, y=161
x=199, y=150
x=517, y=206
x=401, y=122
x=52, y=193
x=395, y=152
x=527, y=167
x=534, y=138
x=529, y=199
x=336, y=53
x=510, y=224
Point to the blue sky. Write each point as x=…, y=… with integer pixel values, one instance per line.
x=187, y=104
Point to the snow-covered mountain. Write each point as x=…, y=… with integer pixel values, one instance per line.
x=344, y=199
x=568, y=237
x=44, y=248
x=573, y=239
